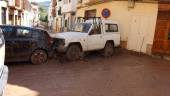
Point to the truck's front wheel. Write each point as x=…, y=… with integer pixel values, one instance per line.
x=73, y=53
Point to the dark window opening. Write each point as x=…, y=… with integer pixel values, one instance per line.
x=3, y=13
x=66, y=23
x=90, y=13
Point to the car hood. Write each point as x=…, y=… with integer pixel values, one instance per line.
x=66, y=35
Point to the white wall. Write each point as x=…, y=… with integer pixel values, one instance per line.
x=69, y=7
x=27, y=18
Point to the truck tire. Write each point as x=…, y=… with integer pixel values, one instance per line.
x=109, y=49
x=39, y=57
x=73, y=53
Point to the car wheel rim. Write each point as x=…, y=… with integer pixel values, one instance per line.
x=74, y=53
x=39, y=58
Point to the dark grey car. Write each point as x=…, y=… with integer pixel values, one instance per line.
x=26, y=44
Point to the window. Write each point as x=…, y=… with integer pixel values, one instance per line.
x=23, y=32
x=3, y=15
x=82, y=27
x=66, y=1
x=96, y=30
x=8, y=32
x=65, y=23
x=90, y=13
x=111, y=28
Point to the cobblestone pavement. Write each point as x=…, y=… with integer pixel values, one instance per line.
x=124, y=74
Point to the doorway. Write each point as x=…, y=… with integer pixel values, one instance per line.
x=161, y=43
x=138, y=31
x=3, y=13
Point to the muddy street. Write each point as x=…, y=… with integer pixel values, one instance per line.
x=121, y=75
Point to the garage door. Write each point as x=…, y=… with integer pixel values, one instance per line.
x=136, y=38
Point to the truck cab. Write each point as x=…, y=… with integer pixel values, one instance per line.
x=89, y=35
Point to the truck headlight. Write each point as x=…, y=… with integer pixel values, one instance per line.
x=59, y=41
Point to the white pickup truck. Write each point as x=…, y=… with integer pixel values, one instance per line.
x=86, y=36
x=3, y=68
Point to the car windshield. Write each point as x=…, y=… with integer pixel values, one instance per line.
x=82, y=27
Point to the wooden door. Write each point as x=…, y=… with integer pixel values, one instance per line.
x=161, y=43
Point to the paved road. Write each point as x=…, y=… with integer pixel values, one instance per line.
x=121, y=75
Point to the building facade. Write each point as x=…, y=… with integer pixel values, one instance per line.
x=137, y=20
x=52, y=15
x=62, y=14
x=15, y=12
x=59, y=18
x=68, y=14
x=3, y=12
x=34, y=14
x=27, y=13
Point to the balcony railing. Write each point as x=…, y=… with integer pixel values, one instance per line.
x=11, y=3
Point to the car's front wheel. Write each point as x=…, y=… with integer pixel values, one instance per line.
x=39, y=57
x=73, y=53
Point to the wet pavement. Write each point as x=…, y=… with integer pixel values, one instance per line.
x=124, y=74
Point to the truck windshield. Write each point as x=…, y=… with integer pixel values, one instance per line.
x=82, y=27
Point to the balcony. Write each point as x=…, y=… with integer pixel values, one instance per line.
x=69, y=7
x=16, y=4
x=11, y=3
x=3, y=3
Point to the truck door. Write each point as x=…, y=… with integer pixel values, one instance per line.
x=95, y=39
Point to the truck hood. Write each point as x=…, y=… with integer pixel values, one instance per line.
x=67, y=35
